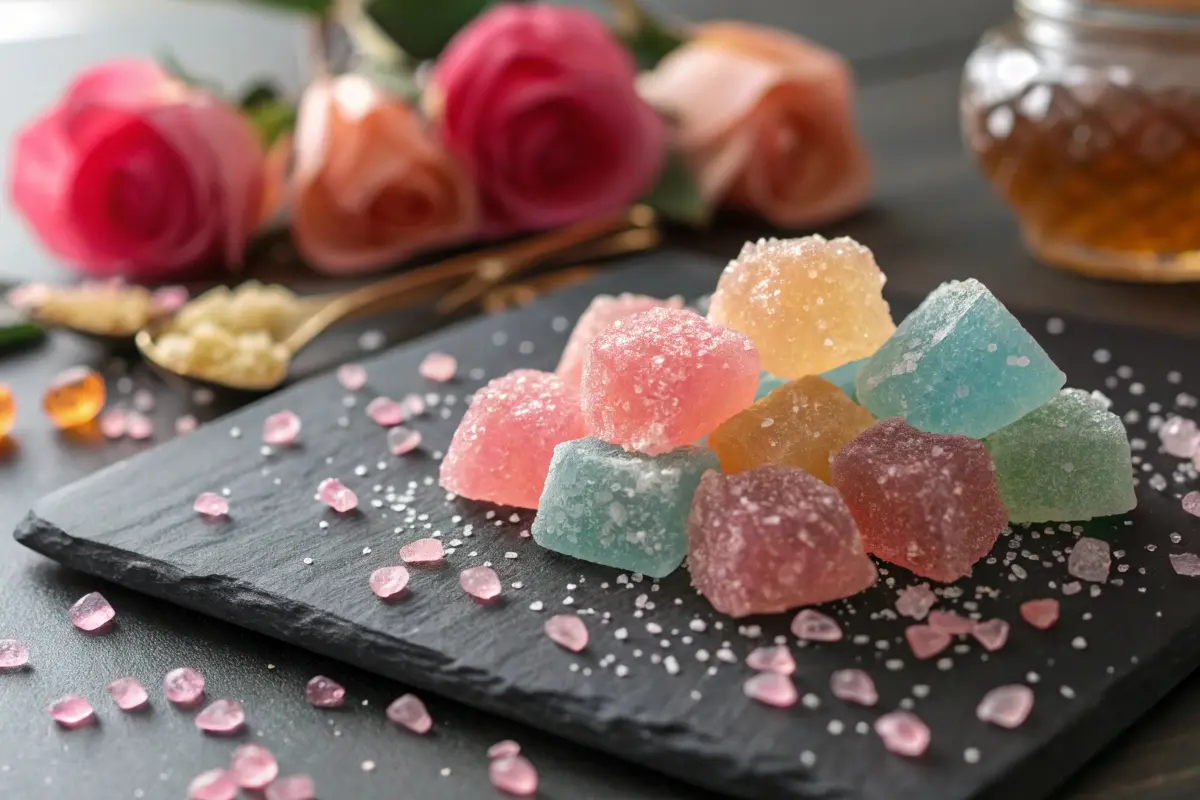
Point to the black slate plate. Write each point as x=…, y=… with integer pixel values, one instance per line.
x=647, y=695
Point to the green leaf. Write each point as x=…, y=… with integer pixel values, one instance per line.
x=676, y=196
x=421, y=28
x=316, y=7
x=259, y=93
x=272, y=119
x=648, y=38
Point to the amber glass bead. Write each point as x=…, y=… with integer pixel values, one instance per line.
x=8, y=410
x=74, y=398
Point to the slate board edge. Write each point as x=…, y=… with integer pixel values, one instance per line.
x=691, y=758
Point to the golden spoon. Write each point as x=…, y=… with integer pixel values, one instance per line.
x=458, y=281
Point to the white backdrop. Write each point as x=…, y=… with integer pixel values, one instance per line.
x=44, y=42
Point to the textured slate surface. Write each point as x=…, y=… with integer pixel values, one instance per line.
x=132, y=523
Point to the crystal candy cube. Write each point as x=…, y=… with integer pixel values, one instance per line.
x=960, y=363
x=844, y=376
x=1068, y=460
x=808, y=304
x=603, y=311
x=665, y=378
x=773, y=538
x=925, y=501
x=502, y=449
x=620, y=509
x=800, y=424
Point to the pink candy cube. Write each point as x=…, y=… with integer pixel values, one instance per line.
x=603, y=311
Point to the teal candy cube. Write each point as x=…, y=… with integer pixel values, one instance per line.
x=624, y=510
x=960, y=363
x=843, y=377
x=1068, y=460
x=767, y=383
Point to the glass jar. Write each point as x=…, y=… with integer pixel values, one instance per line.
x=1085, y=116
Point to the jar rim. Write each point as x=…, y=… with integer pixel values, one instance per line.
x=1135, y=14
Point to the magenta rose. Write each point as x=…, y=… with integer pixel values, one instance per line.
x=539, y=103
x=133, y=173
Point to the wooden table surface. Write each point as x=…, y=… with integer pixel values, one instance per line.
x=932, y=218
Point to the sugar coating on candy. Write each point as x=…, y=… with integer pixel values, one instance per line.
x=665, y=378
x=773, y=538
x=1068, y=460
x=624, y=510
x=502, y=449
x=767, y=383
x=1041, y=614
x=800, y=424
x=1006, y=706
x=853, y=686
x=1090, y=559
x=844, y=376
x=960, y=363
x=809, y=304
x=603, y=311
x=927, y=502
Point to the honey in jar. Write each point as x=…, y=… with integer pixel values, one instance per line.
x=1085, y=116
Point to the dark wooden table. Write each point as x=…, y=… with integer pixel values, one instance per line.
x=932, y=219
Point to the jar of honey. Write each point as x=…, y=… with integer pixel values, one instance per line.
x=1085, y=116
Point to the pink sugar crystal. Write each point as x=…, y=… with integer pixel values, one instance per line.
x=401, y=440
x=503, y=749
x=293, y=787
x=422, y=551
x=334, y=494
x=502, y=449
x=777, y=659
x=1090, y=560
x=903, y=733
x=185, y=424
x=1186, y=564
x=92, y=613
x=603, y=311
x=1180, y=437
x=927, y=502
x=1191, y=503
x=513, y=775
x=665, y=378
x=1006, y=706
x=352, y=377
x=112, y=423
x=281, y=428
x=773, y=538
x=813, y=626
x=567, y=631
x=138, y=427
x=951, y=623
x=389, y=582
x=322, y=692
x=128, y=693
x=915, y=601
x=412, y=405
x=482, y=583
x=854, y=686
x=409, y=711
x=72, y=711
x=438, y=367
x=1041, y=614
x=926, y=641
x=385, y=411
x=13, y=654
x=772, y=689
x=215, y=784
x=253, y=766
x=183, y=686
x=210, y=504
x=221, y=717
x=992, y=633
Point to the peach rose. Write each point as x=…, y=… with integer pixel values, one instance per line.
x=371, y=185
x=765, y=119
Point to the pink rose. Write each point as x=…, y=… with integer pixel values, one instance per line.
x=539, y=103
x=134, y=173
x=766, y=122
